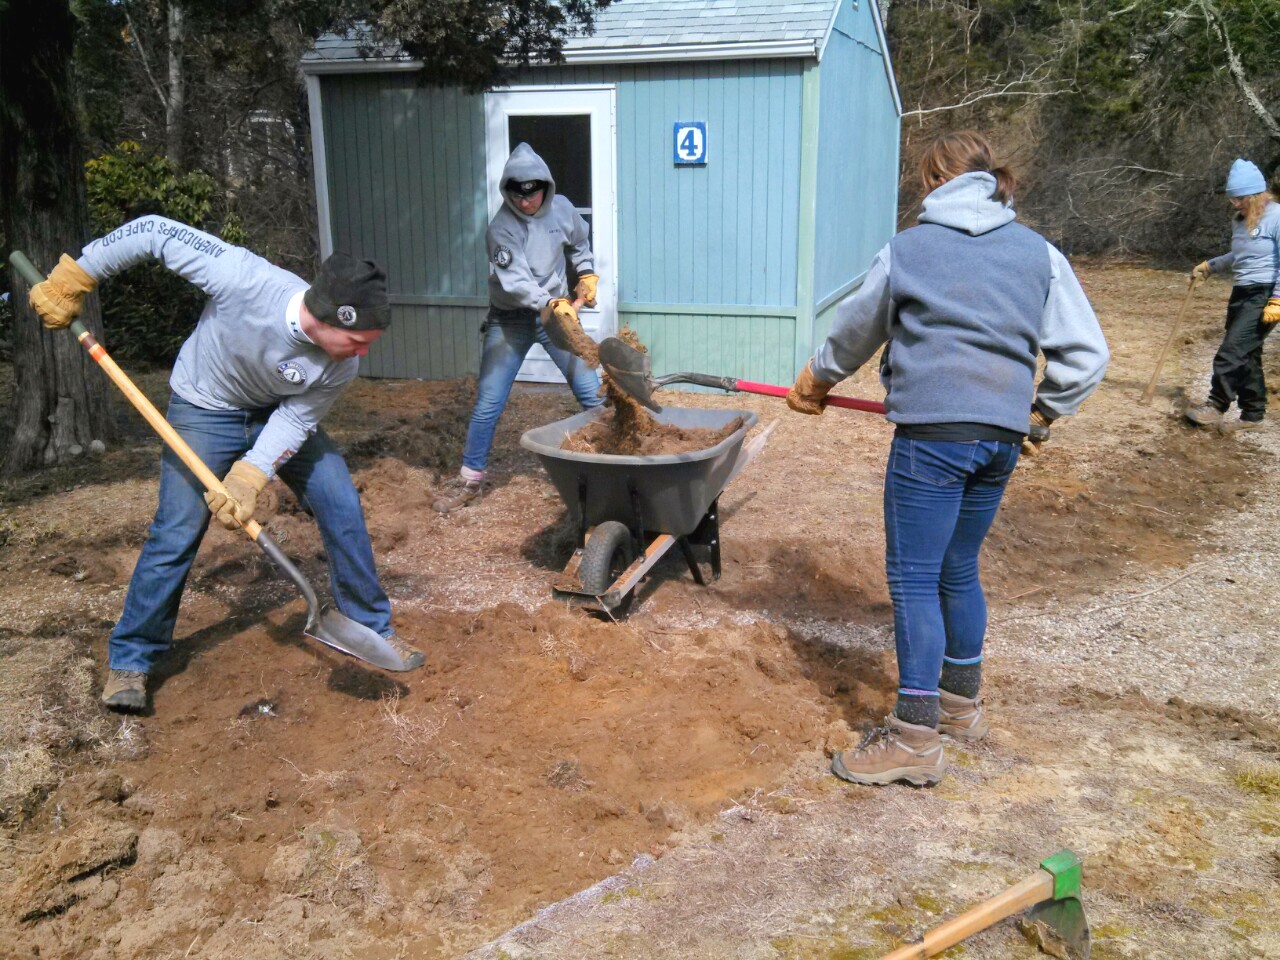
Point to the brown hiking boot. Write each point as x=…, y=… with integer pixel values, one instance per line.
x=896, y=751
x=412, y=656
x=1239, y=426
x=125, y=690
x=1204, y=415
x=458, y=493
x=961, y=718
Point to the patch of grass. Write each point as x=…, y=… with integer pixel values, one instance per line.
x=1259, y=779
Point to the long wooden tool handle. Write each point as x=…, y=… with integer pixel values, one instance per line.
x=1148, y=393
x=136, y=396
x=1037, y=887
x=849, y=403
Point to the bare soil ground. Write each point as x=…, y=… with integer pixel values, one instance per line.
x=552, y=784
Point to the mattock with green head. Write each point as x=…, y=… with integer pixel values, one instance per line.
x=1055, y=917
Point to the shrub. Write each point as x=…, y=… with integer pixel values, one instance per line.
x=148, y=311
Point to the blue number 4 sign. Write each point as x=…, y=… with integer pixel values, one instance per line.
x=690, y=142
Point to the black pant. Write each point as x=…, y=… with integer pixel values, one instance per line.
x=1237, y=367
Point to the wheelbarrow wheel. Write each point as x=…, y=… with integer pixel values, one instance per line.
x=608, y=553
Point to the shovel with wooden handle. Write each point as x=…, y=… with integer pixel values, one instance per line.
x=1148, y=393
x=632, y=370
x=1055, y=919
x=324, y=624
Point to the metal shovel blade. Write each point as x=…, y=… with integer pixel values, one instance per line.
x=328, y=625
x=630, y=370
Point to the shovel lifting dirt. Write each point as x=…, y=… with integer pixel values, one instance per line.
x=326, y=625
x=631, y=370
x=1055, y=921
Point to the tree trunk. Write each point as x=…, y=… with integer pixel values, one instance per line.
x=175, y=103
x=60, y=402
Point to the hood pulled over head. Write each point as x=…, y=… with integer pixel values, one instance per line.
x=967, y=203
x=523, y=165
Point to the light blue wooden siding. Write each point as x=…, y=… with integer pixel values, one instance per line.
x=722, y=234
x=720, y=238
x=756, y=347
x=406, y=187
x=857, y=157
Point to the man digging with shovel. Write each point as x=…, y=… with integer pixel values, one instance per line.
x=250, y=386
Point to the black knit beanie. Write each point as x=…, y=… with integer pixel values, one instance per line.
x=350, y=294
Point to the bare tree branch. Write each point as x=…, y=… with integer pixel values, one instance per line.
x=136, y=39
x=1256, y=106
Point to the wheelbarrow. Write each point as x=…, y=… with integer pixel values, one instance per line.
x=630, y=510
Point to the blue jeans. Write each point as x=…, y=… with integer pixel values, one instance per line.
x=940, y=497
x=316, y=473
x=505, y=347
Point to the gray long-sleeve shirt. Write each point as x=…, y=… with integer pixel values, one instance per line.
x=244, y=354
x=1254, y=257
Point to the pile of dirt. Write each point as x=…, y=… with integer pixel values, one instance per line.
x=629, y=430
x=631, y=437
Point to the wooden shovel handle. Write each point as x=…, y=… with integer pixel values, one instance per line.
x=1150, y=391
x=139, y=399
x=1026, y=893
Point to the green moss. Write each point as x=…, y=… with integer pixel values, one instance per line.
x=1260, y=780
x=1110, y=931
x=717, y=838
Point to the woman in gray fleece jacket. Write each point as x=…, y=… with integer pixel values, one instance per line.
x=966, y=301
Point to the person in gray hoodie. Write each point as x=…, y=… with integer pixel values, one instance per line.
x=1254, y=308
x=251, y=384
x=966, y=300
x=531, y=241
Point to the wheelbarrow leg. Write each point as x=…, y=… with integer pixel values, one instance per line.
x=691, y=560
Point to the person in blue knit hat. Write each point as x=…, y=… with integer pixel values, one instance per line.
x=1254, y=307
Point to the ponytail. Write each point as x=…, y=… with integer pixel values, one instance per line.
x=964, y=151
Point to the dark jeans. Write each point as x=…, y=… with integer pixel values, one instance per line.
x=1237, y=367
x=316, y=473
x=940, y=497
x=508, y=337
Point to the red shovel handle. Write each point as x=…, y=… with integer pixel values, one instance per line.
x=769, y=390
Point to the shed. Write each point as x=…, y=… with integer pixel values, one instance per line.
x=737, y=161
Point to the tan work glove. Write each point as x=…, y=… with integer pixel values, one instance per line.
x=586, y=289
x=560, y=320
x=808, y=394
x=1038, y=435
x=58, y=297
x=1271, y=313
x=1201, y=272
x=243, y=484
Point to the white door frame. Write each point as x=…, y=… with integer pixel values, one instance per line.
x=600, y=101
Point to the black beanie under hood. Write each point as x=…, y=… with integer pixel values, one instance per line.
x=349, y=294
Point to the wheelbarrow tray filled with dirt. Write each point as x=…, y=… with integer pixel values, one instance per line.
x=631, y=509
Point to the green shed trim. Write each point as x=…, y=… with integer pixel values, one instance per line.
x=808, y=226
x=427, y=300
x=708, y=309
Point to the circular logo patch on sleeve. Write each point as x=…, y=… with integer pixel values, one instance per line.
x=290, y=371
x=502, y=257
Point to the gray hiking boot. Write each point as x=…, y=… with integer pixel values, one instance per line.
x=962, y=718
x=125, y=690
x=458, y=493
x=1239, y=426
x=1204, y=415
x=896, y=751
x=412, y=656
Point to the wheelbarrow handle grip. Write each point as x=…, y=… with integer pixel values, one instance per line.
x=1035, y=888
x=139, y=399
x=849, y=403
